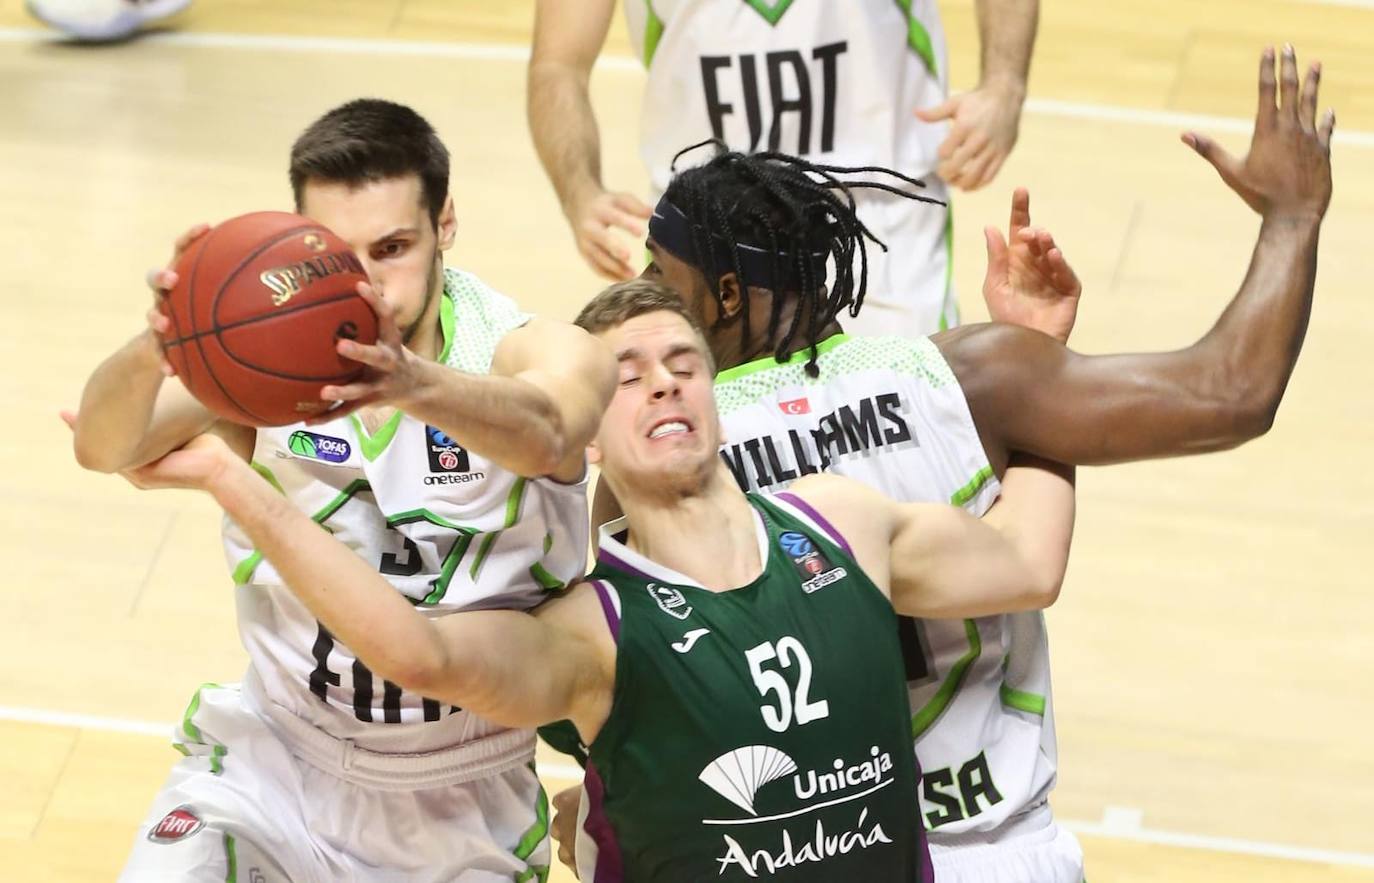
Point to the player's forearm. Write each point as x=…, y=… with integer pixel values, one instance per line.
x=565, y=131
x=509, y=421
x=117, y=406
x=1252, y=349
x=1006, y=30
x=1035, y=514
x=341, y=590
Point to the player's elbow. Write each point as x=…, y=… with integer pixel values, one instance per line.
x=95, y=456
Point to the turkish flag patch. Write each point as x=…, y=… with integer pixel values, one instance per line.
x=795, y=406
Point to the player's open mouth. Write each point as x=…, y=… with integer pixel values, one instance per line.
x=671, y=426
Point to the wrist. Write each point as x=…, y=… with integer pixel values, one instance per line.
x=580, y=193
x=1006, y=87
x=232, y=482
x=1294, y=217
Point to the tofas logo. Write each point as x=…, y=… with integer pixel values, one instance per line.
x=178, y=824
x=318, y=447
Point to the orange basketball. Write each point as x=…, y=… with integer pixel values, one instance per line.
x=259, y=304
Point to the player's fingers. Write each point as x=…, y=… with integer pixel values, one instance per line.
x=998, y=158
x=942, y=111
x=967, y=151
x=382, y=358
x=1062, y=275
x=1020, y=210
x=351, y=392
x=975, y=172
x=1307, y=113
x=1214, y=153
x=632, y=205
x=997, y=251
x=158, y=321
x=184, y=240
x=161, y=280
x=953, y=141
x=1288, y=83
x=1267, y=109
x=613, y=264
x=1328, y=125
x=630, y=223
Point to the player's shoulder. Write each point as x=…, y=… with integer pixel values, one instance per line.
x=837, y=497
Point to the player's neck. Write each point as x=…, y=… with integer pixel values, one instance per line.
x=708, y=535
x=729, y=353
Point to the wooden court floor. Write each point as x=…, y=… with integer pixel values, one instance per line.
x=1211, y=648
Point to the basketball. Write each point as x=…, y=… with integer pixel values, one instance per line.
x=259, y=304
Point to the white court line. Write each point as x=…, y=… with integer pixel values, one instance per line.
x=521, y=54
x=1122, y=823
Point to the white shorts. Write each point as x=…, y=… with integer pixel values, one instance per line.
x=254, y=803
x=1030, y=848
x=910, y=287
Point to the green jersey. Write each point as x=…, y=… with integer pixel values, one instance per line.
x=755, y=733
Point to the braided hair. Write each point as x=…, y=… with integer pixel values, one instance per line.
x=799, y=213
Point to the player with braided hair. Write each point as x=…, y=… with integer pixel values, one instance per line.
x=936, y=419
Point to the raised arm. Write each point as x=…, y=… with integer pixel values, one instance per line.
x=511, y=667
x=1028, y=393
x=567, y=39
x=938, y=561
x=985, y=121
x=130, y=411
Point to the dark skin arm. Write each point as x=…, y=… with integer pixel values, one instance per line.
x=1029, y=393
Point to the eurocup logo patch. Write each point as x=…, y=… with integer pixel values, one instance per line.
x=318, y=447
x=445, y=454
x=670, y=601
x=812, y=566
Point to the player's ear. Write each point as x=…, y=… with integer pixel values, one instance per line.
x=731, y=296
x=447, y=225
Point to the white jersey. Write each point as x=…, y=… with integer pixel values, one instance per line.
x=448, y=528
x=833, y=82
x=890, y=413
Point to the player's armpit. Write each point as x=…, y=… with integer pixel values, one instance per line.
x=576, y=375
x=525, y=669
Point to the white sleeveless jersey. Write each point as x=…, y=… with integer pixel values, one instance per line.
x=888, y=411
x=835, y=82
x=445, y=526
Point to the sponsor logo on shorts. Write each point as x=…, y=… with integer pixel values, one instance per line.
x=177, y=825
x=812, y=566
x=670, y=601
x=319, y=447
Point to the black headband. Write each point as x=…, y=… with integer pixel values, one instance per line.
x=672, y=231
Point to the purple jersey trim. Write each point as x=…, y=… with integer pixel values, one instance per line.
x=606, y=556
x=610, y=867
x=820, y=521
x=608, y=608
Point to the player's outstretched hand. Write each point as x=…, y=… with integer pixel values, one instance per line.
x=391, y=370
x=1028, y=281
x=985, y=123
x=566, y=805
x=1288, y=168
x=594, y=221
x=162, y=281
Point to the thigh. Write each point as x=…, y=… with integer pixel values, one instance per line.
x=231, y=808
x=1050, y=856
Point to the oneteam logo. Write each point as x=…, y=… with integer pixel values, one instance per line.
x=318, y=447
